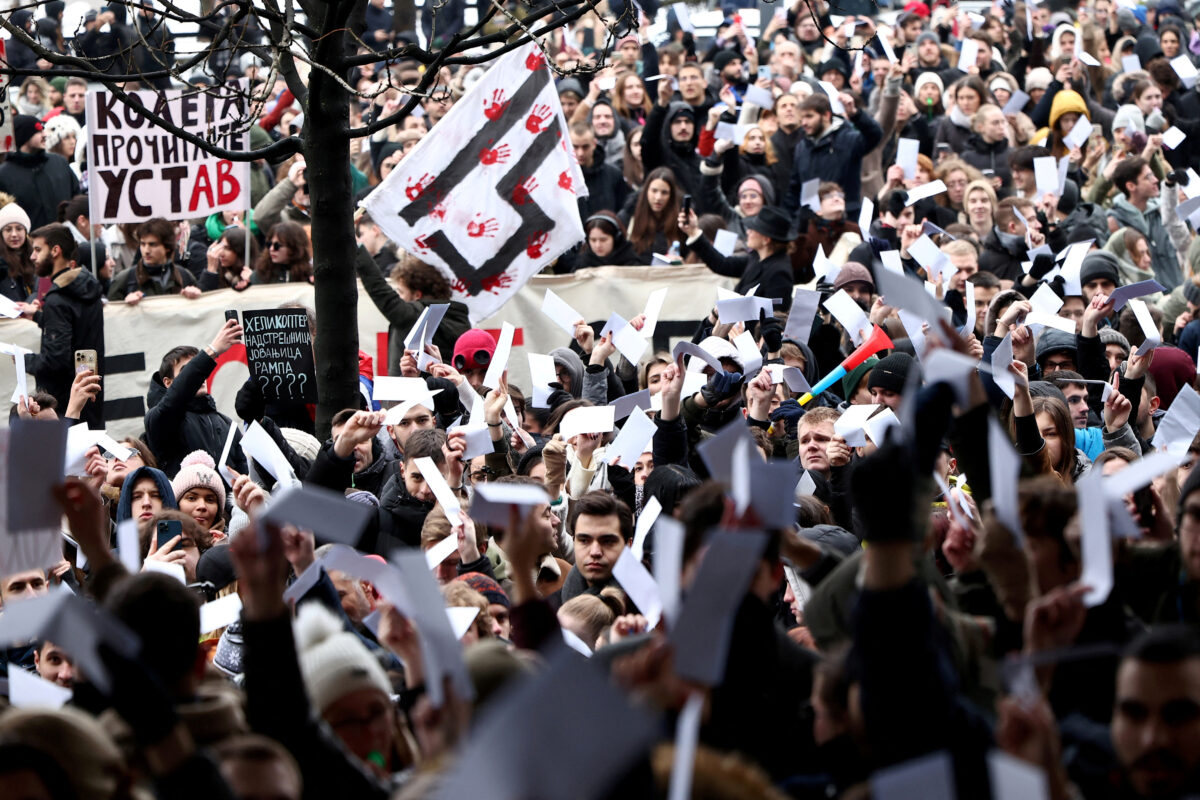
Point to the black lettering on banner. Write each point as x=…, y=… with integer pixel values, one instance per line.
x=280, y=355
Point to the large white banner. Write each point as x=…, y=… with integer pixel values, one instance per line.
x=137, y=337
x=137, y=170
x=490, y=197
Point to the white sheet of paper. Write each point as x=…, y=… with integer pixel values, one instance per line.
x=726, y=131
x=560, y=312
x=696, y=352
x=876, y=426
x=222, y=465
x=1005, y=467
x=1149, y=329
x=668, y=564
x=907, y=151
x=809, y=194
x=1050, y=321
x=575, y=643
x=887, y=47
x=850, y=425
x=442, y=550
x=1179, y=425
x=702, y=633
x=739, y=309
x=587, y=419
x=1045, y=172
x=921, y=192
x=1079, y=134
x=1185, y=69
x=687, y=735
x=865, y=215
x=220, y=612
x=630, y=343
x=968, y=55
x=1173, y=137
x=825, y=270
x=1140, y=473
x=390, y=388
x=257, y=444
x=849, y=314
x=1096, y=543
x=800, y=317
x=34, y=453
x=28, y=690
x=725, y=242
x=1015, y=779
x=128, y=547
x=541, y=375
x=416, y=333
x=908, y=294
x=645, y=521
x=1016, y=102
x=759, y=96
x=632, y=440
x=624, y=405
x=437, y=484
x=929, y=777
x=167, y=568
x=460, y=619
x=928, y=255
x=637, y=582
x=479, y=437
x=441, y=653
x=835, y=103
x=749, y=352
x=1122, y=294
x=499, y=362
x=654, y=304
x=1045, y=299
x=491, y=501
x=953, y=368
x=328, y=514
x=397, y=413
x=1002, y=356
x=892, y=261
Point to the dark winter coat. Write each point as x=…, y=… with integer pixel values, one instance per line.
x=39, y=182
x=179, y=420
x=836, y=155
x=72, y=318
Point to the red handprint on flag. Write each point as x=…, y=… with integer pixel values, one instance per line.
x=535, y=61
x=538, y=118
x=498, y=105
x=564, y=181
x=536, y=242
x=416, y=187
x=520, y=195
x=499, y=155
x=482, y=227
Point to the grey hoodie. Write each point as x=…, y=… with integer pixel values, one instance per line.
x=568, y=359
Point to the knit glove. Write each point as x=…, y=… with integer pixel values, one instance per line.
x=788, y=414
x=771, y=331
x=250, y=403
x=721, y=386
x=1042, y=265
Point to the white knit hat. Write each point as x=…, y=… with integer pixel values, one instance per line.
x=58, y=126
x=14, y=213
x=928, y=77
x=305, y=444
x=333, y=660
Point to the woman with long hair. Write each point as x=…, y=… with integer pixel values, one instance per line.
x=1044, y=433
x=606, y=244
x=287, y=257
x=631, y=101
x=969, y=94
x=631, y=164
x=17, y=279
x=227, y=266
x=956, y=174
x=654, y=224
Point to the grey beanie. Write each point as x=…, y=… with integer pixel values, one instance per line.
x=1113, y=336
x=1100, y=264
x=1128, y=116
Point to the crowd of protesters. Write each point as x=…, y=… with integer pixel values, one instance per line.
x=917, y=603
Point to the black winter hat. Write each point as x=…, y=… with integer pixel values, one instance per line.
x=722, y=59
x=24, y=127
x=1101, y=264
x=891, y=373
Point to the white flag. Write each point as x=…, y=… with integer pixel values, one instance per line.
x=489, y=196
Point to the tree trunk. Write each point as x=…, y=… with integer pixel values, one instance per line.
x=327, y=154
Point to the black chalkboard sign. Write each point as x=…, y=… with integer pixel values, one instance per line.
x=280, y=354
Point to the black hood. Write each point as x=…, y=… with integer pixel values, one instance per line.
x=675, y=110
x=84, y=287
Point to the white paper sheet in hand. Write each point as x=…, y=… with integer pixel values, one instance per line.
x=847, y=312
x=697, y=353
x=907, y=151
x=739, y=309
x=1130, y=63
x=919, y=193
x=632, y=440
x=1122, y=294
x=328, y=514
x=1015, y=779
x=759, y=96
x=1079, y=134
x=803, y=311
x=725, y=242
x=750, y=354
x=541, y=375
x=968, y=55
x=637, y=582
x=645, y=521
x=1096, y=544
x=835, y=103
x=560, y=312
x=1045, y=299
x=1087, y=58
x=929, y=256
x=865, y=215
x=442, y=550
x=491, y=502
x=629, y=342
x=1185, y=69
x=499, y=362
x=220, y=612
x=1173, y=137
x=850, y=425
x=1045, y=173
x=1002, y=356
x=930, y=777
x=1016, y=102
x=1149, y=329
x=437, y=484
x=593, y=419
x=258, y=445
x=809, y=194
x=1005, y=467
x=687, y=734
x=1177, y=428
x=654, y=304
x=29, y=690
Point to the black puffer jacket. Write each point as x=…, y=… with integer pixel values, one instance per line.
x=72, y=318
x=606, y=187
x=660, y=150
x=988, y=156
x=179, y=420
